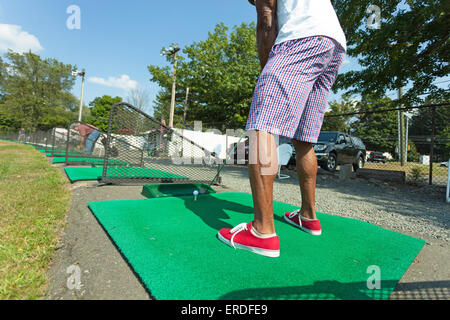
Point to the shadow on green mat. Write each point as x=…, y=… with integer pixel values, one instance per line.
x=320, y=290
x=215, y=214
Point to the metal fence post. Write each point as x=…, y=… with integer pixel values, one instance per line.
x=448, y=183
x=433, y=123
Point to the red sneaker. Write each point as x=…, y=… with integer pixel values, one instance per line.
x=240, y=237
x=311, y=227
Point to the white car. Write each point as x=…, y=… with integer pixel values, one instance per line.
x=61, y=133
x=388, y=156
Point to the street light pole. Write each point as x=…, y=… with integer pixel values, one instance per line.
x=172, y=51
x=80, y=114
x=186, y=106
x=174, y=83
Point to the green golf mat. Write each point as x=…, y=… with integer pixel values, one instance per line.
x=88, y=161
x=171, y=244
x=95, y=173
x=175, y=190
x=62, y=154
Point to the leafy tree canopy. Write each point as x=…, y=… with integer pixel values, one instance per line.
x=35, y=93
x=101, y=107
x=341, y=123
x=221, y=73
x=411, y=47
x=379, y=131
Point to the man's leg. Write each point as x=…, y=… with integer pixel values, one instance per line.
x=310, y=127
x=263, y=165
x=307, y=175
x=259, y=235
x=90, y=142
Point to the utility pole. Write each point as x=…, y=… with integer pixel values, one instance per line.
x=407, y=138
x=433, y=125
x=186, y=106
x=408, y=117
x=401, y=121
x=401, y=131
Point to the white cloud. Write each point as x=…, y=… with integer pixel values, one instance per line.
x=124, y=82
x=14, y=38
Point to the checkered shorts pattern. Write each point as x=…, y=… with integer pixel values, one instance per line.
x=292, y=92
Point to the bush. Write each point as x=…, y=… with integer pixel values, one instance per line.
x=413, y=154
x=416, y=174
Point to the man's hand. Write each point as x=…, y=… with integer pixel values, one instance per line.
x=267, y=28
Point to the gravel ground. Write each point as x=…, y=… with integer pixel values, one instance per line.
x=418, y=211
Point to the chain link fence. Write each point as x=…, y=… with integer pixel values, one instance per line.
x=410, y=145
x=38, y=139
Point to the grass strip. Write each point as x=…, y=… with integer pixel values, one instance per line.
x=34, y=199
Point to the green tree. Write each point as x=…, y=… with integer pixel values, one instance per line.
x=341, y=123
x=421, y=126
x=445, y=143
x=410, y=48
x=221, y=73
x=413, y=154
x=7, y=123
x=36, y=93
x=379, y=131
x=101, y=107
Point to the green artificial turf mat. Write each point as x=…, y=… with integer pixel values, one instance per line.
x=174, y=190
x=95, y=173
x=84, y=174
x=61, y=154
x=56, y=151
x=171, y=244
x=88, y=161
x=57, y=160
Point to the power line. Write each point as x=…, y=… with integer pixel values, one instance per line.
x=445, y=104
x=441, y=82
x=429, y=92
x=447, y=90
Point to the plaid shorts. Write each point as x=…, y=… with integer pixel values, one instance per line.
x=292, y=92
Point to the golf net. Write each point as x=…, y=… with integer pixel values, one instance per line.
x=139, y=149
x=84, y=144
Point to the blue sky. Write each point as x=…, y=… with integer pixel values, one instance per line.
x=117, y=39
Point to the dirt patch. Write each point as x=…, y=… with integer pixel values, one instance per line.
x=104, y=273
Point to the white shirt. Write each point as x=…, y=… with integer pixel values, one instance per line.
x=305, y=18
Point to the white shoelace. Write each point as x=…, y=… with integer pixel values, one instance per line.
x=236, y=230
x=293, y=214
